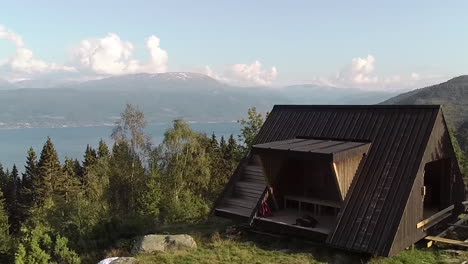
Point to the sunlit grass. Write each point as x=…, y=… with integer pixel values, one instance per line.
x=215, y=247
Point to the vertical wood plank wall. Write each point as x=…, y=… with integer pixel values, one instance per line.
x=345, y=171
x=439, y=147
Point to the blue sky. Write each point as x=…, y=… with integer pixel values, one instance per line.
x=367, y=44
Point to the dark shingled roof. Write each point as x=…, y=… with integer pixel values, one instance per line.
x=376, y=200
x=324, y=149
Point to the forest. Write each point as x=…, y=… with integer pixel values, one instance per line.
x=70, y=212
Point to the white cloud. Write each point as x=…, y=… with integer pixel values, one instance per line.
x=111, y=55
x=415, y=76
x=11, y=36
x=360, y=71
x=253, y=74
x=23, y=61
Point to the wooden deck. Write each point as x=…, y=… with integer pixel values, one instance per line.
x=287, y=217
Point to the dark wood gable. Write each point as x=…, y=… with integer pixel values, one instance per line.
x=381, y=212
x=372, y=210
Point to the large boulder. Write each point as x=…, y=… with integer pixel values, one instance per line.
x=163, y=243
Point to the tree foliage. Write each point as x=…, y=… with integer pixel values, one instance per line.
x=56, y=211
x=41, y=246
x=5, y=238
x=462, y=155
x=250, y=127
x=48, y=174
x=185, y=171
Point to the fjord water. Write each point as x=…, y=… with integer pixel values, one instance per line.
x=71, y=141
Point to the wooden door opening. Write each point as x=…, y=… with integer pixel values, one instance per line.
x=436, y=186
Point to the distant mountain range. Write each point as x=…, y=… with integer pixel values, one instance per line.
x=452, y=95
x=162, y=97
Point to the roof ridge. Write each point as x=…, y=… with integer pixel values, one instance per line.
x=432, y=106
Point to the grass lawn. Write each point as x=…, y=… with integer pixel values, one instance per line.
x=215, y=247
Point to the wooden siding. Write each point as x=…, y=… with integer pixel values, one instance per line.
x=439, y=147
x=345, y=171
x=377, y=197
x=379, y=214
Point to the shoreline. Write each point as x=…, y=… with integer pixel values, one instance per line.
x=107, y=125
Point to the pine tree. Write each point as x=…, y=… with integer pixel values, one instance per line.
x=214, y=145
x=9, y=189
x=232, y=152
x=90, y=157
x=13, y=208
x=3, y=179
x=89, y=161
x=25, y=192
x=49, y=173
x=69, y=184
x=5, y=239
x=103, y=150
x=222, y=144
x=150, y=198
x=127, y=176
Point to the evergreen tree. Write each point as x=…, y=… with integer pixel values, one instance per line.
x=103, y=150
x=89, y=162
x=127, y=176
x=5, y=239
x=3, y=179
x=222, y=144
x=30, y=175
x=13, y=204
x=90, y=157
x=214, y=145
x=232, y=152
x=25, y=190
x=150, y=198
x=49, y=172
x=8, y=182
x=222, y=164
x=69, y=184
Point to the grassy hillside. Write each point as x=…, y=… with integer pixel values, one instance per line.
x=452, y=95
x=215, y=245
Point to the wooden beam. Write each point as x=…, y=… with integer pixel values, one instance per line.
x=447, y=241
x=436, y=221
x=434, y=216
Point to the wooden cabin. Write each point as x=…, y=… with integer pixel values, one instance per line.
x=373, y=179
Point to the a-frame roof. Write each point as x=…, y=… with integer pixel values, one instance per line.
x=376, y=200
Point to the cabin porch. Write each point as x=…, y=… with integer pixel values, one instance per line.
x=288, y=217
